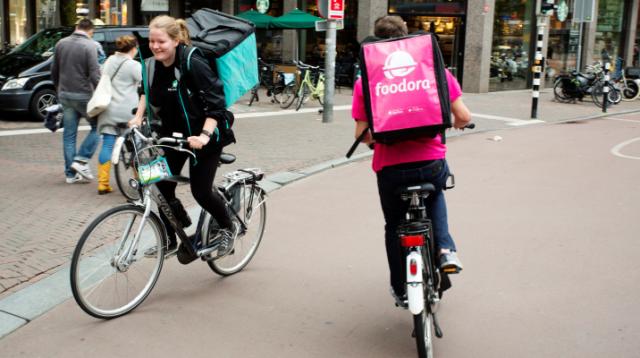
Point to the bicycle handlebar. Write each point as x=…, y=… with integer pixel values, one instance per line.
x=159, y=142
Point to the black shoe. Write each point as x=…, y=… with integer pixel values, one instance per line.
x=180, y=212
x=184, y=257
x=449, y=263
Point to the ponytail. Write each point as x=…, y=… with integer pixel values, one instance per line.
x=185, y=38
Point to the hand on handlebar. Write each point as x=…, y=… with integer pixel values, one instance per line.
x=135, y=122
x=197, y=142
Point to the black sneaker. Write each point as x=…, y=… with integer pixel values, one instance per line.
x=184, y=257
x=449, y=263
x=401, y=301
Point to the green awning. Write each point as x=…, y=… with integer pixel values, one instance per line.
x=262, y=21
x=295, y=19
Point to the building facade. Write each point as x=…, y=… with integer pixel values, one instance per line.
x=488, y=44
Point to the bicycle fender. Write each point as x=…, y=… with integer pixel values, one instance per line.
x=415, y=289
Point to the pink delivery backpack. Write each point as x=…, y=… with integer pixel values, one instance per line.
x=405, y=89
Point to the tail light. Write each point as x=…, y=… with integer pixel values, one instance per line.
x=412, y=240
x=413, y=267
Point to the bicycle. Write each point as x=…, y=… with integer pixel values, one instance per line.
x=282, y=89
x=425, y=283
x=307, y=87
x=119, y=256
x=628, y=87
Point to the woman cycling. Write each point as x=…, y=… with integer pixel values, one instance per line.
x=125, y=75
x=410, y=162
x=189, y=101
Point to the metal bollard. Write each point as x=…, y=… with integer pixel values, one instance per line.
x=605, y=89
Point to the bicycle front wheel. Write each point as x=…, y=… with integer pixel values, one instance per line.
x=320, y=91
x=423, y=329
x=114, y=266
x=125, y=171
x=303, y=96
x=630, y=91
x=249, y=202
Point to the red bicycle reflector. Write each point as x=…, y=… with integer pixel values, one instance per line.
x=412, y=240
x=413, y=267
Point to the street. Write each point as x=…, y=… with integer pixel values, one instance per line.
x=544, y=216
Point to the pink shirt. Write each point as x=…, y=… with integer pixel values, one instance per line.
x=408, y=151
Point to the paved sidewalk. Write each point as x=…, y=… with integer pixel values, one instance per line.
x=42, y=218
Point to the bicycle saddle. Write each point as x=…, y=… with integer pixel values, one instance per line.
x=424, y=188
x=226, y=158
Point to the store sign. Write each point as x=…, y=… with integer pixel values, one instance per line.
x=336, y=9
x=154, y=5
x=262, y=6
x=322, y=25
x=562, y=11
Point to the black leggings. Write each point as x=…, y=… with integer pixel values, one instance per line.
x=201, y=177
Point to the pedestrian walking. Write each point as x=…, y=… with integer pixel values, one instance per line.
x=125, y=75
x=75, y=72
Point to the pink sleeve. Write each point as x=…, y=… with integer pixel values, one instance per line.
x=357, y=106
x=454, y=87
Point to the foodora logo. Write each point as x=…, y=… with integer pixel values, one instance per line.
x=400, y=64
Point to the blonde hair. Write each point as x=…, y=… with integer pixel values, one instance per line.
x=175, y=28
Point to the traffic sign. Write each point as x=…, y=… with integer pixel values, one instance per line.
x=331, y=9
x=322, y=25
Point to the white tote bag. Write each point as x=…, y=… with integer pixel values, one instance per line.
x=102, y=95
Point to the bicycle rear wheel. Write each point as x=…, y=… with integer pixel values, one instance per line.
x=423, y=329
x=249, y=202
x=125, y=170
x=630, y=90
x=287, y=97
x=105, y=283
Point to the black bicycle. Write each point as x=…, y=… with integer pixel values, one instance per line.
x=119, y=256
x=281, y=90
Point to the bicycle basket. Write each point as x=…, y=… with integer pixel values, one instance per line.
x=154, y=171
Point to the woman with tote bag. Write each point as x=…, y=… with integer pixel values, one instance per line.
x=125, y=75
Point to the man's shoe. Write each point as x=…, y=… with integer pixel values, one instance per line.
x=401, y=301
x=449, y=263
x=82, y=169
x=75, y=179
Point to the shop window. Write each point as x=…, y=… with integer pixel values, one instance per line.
x=431, y=7
x=45, y=14
x=113, y=12
x=563, y=44
x=17, y=21
x=510, y=51
x=609, y=31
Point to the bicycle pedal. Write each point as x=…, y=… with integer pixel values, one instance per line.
x=451, y=270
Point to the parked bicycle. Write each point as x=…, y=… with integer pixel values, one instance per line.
x=118, y=259
x=312, y=84
x=576, y=85
x=281, y=91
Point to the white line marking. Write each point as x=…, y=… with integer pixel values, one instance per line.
x=36, y=131
x=510, y=121
x=289, y=112
x=616, y=150
x=625, y=120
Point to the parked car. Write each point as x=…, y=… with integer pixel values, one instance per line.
x=25, y=72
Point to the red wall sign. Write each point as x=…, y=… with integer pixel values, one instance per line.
x=336, y=9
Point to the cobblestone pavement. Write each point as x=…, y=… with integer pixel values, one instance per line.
x=42, y=217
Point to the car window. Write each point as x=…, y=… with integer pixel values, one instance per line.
x=99, y=36
x=42, y=43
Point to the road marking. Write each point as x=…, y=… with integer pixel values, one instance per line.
x=616, y=150
x=36, y=131
x=625, y=120
x=289, y=112
x=510, y=121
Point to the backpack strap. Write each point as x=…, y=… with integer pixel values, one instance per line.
x=357, y=141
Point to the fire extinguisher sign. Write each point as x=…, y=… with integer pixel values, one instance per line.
x=336, y=9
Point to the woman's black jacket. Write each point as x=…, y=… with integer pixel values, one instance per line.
x=202, y=93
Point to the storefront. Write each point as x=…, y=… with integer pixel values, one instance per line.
x=444, y=18
x=610, y=35
x=564, y=44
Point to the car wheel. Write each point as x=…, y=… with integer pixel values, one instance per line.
x=41, y=100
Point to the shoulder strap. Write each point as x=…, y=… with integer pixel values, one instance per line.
x=355, y=144
x=118, y=69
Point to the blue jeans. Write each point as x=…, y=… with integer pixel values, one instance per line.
x=107, y=148
x=394, y=209
x=75, y=107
